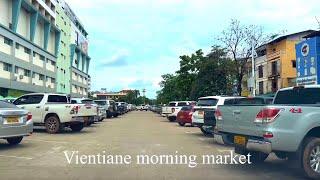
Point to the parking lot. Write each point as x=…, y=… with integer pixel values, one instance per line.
x=42, y=155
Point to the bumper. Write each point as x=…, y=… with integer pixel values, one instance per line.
x=218, y=138
x=258, y=145
x=197, y=124
x=15, y=131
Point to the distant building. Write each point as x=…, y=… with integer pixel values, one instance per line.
x=281, y=61
x=112, y=95
x=261, y=70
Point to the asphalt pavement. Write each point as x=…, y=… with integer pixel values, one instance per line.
x=137, y=145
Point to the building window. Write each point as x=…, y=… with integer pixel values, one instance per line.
x=260, y=69
x=7, y=67
x=53, y=80
x=26, y=50
x=42, y=58
x=274, y=85
x=17, y=46
x=274, y=68
x=294, y=63
x=16, y=69
x=8, y=41
x=27, y=73
x=10, y=26
x=261, y=87
x=34, y=54
x=41, y=77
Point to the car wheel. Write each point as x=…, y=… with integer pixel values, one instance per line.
x=116, y=115
x=77, y=127
x=205, y=132
x=52, y=124
x=258, y=157
x=182, y=123
x=311, y=157
x=14, y=140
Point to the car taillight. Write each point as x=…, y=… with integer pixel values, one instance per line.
x=172, y=110
x=29, y=116
x=218, y=115
x=75, y=110
x=267, y=115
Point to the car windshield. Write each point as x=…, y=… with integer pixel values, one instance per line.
x=207, y=102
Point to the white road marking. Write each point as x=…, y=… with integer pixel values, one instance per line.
x=63, y=142
x=18, y=157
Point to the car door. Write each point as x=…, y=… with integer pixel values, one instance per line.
x=32, y=103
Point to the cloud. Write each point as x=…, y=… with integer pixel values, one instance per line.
x=117, y=60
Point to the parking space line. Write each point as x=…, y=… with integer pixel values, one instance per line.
x=18, y=157
x=63, y=142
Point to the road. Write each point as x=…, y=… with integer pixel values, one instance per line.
x=42, y=156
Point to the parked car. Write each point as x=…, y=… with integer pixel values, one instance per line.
x=15, y=123
x=87, y=109
x=158, y=109
x=52, y=111
x=204, y=110
x=142, y=107
x=109, y=106
x=289, y=127
x=175, y=107
x=120, y=108
x=184, y=116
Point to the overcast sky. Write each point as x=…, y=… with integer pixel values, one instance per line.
x=133, y=42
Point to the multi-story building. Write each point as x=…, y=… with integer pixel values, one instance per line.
x=63, y=22
x=261, y=70
x=281, y=61
x=78, y=49
x=29, y=43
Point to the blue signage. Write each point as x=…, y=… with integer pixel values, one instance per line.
x=306, y=63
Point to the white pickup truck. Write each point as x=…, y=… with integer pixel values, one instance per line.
x=88, y=109
x=52, y=111
x=173, y=108
x=207, y=105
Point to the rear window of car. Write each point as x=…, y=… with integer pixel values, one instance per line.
x=28, y=99
x=251, y=101
x=57, y=99
x=6, y=105
x=101, y=103
x=207, y=102
x=186, y=108
x=172, y=104
x=182, y=104
x=298, y=96
x=87, y=101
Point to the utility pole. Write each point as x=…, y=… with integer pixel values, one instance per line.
x=144, y=95
x=253, y=71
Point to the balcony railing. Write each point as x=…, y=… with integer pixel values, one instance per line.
x=274, y=55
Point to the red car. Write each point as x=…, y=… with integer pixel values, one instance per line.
x=185, y=115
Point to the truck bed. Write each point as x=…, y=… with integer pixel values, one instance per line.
x=239, y=119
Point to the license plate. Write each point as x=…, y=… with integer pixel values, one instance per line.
x=240, y=140
x=12, y=120
x=181, y=117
